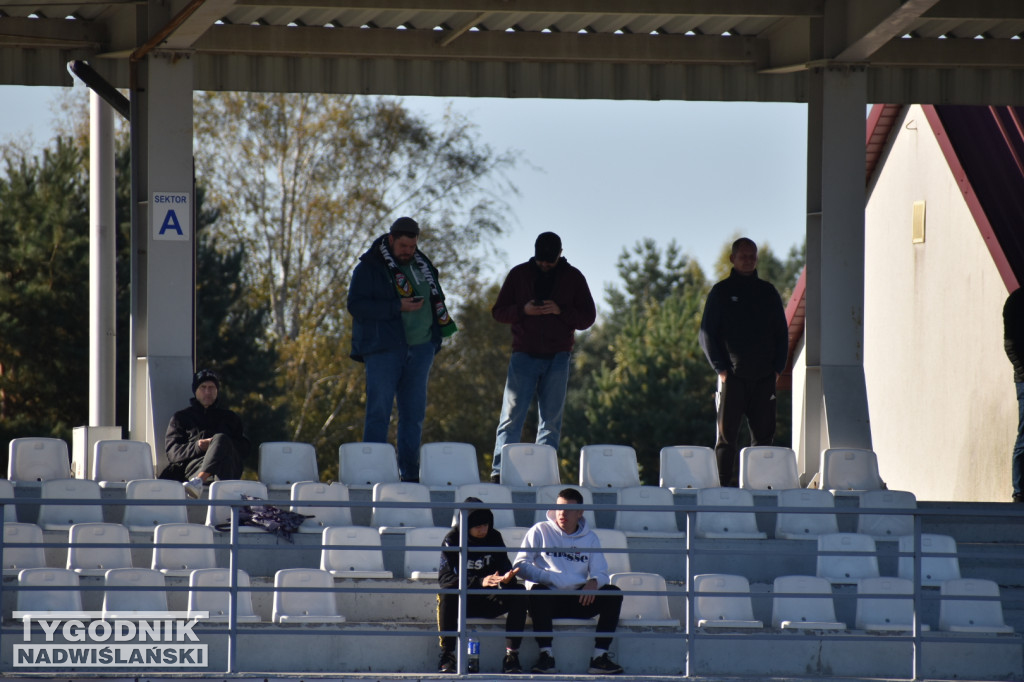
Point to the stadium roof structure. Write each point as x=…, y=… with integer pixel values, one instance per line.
x=915, y=51
x=837, y=56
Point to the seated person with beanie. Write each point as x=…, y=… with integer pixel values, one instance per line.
x=485, y=569
x=204, y=440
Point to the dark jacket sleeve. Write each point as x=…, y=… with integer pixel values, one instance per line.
x=710, y=334
x=1013, y=332
x=508, y=308
x=237, y=433
x=448, y=569
x=368, y=296
x=582, y=312
x=178, y=443
x=781, y=334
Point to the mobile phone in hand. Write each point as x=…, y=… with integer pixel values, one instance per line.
x=538, y=302
x=417, y=299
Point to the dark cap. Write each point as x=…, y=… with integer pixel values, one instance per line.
x=548, y=247
x=405, y=227
x=205, y=375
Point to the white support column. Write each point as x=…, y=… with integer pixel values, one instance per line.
x=163, y=238
x=842, y=257
x=102, y=264
x=814, y=439
x=836, y=407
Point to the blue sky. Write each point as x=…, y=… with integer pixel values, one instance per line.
x=605, y=174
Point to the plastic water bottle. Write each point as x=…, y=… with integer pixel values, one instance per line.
x=474, y=655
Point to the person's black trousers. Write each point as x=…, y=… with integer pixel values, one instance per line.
x=510, y=600
x=545, y=608
x=754, y=398
x=220, y=459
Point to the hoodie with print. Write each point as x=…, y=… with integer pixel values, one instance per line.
x=560, y=560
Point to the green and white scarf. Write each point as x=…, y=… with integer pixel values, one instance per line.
x=405, y=290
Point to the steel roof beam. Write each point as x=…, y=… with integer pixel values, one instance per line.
x=277, y=41
x=950, y=53
x=197, y=23
x=891, y=26
x=670, y=8
x=59, y=33
x=972, y=10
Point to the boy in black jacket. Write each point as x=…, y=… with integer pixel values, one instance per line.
x=487, y=569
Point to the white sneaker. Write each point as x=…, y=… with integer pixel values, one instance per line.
x=194, y=488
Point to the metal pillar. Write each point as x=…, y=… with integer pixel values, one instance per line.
x=102, y=264
x=163, y=238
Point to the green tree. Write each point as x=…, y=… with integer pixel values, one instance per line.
x=44, y=226
x=468, y=377
x=44, y=232
x=650, y=274
x=639, y=375
x=231, y=337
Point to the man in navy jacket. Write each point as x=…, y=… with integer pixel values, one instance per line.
x=399, y=319
x=745, y=338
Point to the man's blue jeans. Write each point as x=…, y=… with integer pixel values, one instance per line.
x=1017, y=468
x=398, y=374
x=528, y=376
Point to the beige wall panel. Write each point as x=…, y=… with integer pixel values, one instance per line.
x=940, y=389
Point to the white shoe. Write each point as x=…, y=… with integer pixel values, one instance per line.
x=194, y=488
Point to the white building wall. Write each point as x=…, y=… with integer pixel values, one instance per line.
x=940, y=388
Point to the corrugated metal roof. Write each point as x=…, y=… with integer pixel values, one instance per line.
x=757, y=50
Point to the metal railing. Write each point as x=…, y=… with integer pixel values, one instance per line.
x=695, y=549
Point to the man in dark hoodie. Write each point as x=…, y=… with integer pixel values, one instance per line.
x=398, y=320
x=745, y=338
x=546, y=301
x=204, y=440
x=1013, y=343
x=485, y=569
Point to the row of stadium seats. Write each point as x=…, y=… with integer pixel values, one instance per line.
x=806, y=603
x=721, y=602
x=299, y=595
x=448, y=465
x=58, y=512
x=356, y=551
x=178, y=548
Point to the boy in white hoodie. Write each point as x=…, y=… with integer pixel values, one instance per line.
x=562, y=553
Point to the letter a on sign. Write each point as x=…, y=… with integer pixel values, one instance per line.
x=171, y=223
x=171, y=216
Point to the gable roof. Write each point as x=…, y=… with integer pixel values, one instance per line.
x=984, y=148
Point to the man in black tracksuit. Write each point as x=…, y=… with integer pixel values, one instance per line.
x=745, y=338
x=486, y=569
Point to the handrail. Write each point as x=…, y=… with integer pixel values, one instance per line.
x=693, y=549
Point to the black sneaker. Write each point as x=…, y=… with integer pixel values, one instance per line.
x=545, y=663
x=603, y=665
x=510, y=666
x=447, y=664
x=495, y=477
